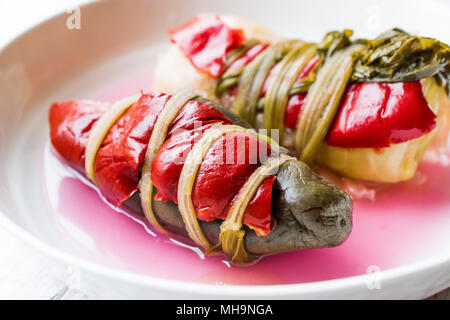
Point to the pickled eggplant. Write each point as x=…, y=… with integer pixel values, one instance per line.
x=265, y=204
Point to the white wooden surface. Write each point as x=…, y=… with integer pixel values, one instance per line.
x=24, y=274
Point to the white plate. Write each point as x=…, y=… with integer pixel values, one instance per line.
x=112, y=54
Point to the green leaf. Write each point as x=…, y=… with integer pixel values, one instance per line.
x=397, y=56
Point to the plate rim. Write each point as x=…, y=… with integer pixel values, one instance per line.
x=229, y=291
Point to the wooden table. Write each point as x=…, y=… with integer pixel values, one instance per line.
x=444, y=295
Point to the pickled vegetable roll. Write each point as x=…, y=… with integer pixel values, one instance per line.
x=367, y=109
x=200, y=173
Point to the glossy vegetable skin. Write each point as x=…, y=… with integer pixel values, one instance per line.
x=217, y=39
x=294, y=209
x=380, y=114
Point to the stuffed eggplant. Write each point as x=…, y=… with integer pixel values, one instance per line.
x=367, y=109
x=199, y=172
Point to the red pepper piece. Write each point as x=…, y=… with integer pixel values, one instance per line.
x=374, y=115
x=192, y=120
x=407, y=113
x=309, y=67
x=257, y=216
x=205, y=41
x=221, y=176
x=123, y=150
x=218, y=179
x=167, y=165
x=70, y=125
x=195, y=114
